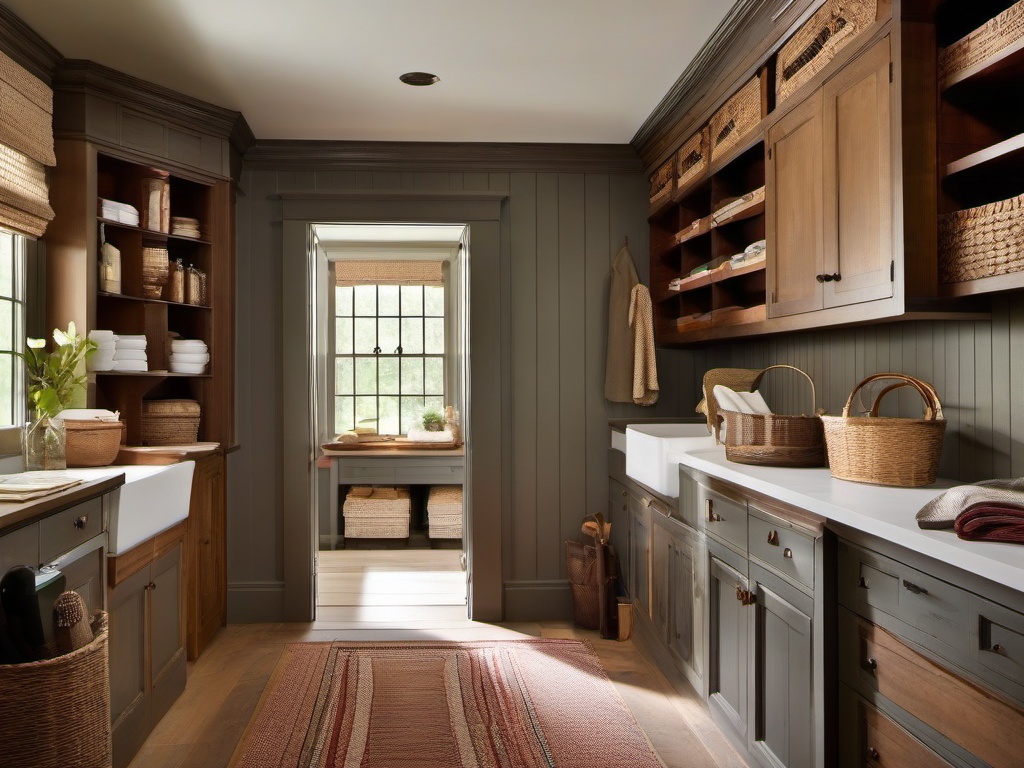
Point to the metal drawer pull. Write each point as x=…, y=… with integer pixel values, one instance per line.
x=773, y=538
x=709, y=512
x=863, y=583
x=745, y=596
x=81, y=522
x=872, y=664
x=913, y=588
x=997, y=648
x=625, y=493
x=787, y=552
x=873, y=753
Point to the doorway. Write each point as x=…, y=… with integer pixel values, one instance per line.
x=392, y=386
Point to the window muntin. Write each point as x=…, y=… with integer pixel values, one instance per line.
x=12, y=337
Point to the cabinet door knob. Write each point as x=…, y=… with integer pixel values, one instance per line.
x=151, y=585
x=788, y=553
x=709, y=512
x=81, y=522
x=773, y=538
x=625, y=493
x=997, y=648
x=872, y=664
x=873, y=753
x=834, y=277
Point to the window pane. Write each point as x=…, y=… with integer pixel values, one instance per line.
x=387, y=376
x=434, y=403
x=433, y=300
x=433, y=380
x=7, y=369
x=366, y=375
x=343, y=300
x=7, y=310
x=344, y=417
x=365, y=335
x=343, y=336
x=412, y=413
x=412, y=335
x=343, y=384
x=366, y=411
x=434, y=336
x=412, y=376
x=366, y=300
x=387, y=298
x=412, y=300
x=389, y=423
x=387, y=334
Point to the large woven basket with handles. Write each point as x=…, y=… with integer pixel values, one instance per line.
x=887, y=451
x=772, y=439
x=736, y=379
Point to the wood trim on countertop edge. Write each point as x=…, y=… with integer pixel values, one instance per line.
x=18, y=515
x=120, y=567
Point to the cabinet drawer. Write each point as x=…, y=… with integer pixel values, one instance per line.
x=66, y=530
x=998, y=638
x=778, y=545
x=21, y=547
x=887, y=745
x=966, y=714
x=725, y=518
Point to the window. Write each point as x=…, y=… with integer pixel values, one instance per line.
x=389, y=355
x=12, y=338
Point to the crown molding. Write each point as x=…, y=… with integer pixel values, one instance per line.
x=442, y=156
x=23, y=44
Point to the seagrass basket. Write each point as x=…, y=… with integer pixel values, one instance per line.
x=661, y=181
x=56, y=712
x=735, y=119
x=982, y=242
x=988, y=39
x=92, y=443
x=736, y=379
x=829, y=29
x=692, y=158
x=377, y=513
x=170, y=422
x=772, y=439
x=882, y=450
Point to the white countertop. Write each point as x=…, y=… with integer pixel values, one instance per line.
x=884, y=512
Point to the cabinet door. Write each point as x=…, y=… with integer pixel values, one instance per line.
x=661, y=585
x=639, y=555
x=167, y=641
x=618, y=514
x=207, y=575
x=783, y=671
x=727, y=654
x=859, y=180
x=129, y=703
x=794, y=222
x=684, y=601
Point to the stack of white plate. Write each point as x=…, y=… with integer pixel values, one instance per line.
x=130, y=354
x=103, y=358
x=189, y=356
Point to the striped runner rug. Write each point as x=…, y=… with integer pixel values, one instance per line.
x=512, y=704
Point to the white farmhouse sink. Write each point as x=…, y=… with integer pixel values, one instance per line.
x=152, y=499
x=647, y=453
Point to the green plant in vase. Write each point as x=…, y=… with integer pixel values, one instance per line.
x=433, y=421
x=54, y=380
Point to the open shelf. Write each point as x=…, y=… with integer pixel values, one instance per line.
x=151, y=234
x=701, y=226
x=1005, y=66
x=728, y=271
x=748, y=211
x=154, y=374
x=1007, y=155
x=126, y=297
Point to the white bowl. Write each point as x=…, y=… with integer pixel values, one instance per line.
x=188, y=357
x=187, y=367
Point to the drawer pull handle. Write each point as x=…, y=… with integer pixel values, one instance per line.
x=872, y=664
x=773, y=538
x=997, y=648
x=151, y=585
x=709, y=512
x=863, y=583
x=81, y=522
x=913, y=588
x=787, y=552
x=745, y=596
x=625, y=493
x=873, y=753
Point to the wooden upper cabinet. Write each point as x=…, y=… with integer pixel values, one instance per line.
x=794, y=222
x=858, y=142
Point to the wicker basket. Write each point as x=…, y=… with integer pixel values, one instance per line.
x=170, y=422
x=887, y=451
x=661, y=181
x=92, y=443
x=819, y=39
x=444, y=512
x=377, y=513
x=736, y=118
x=692, y=158
x=981, y=242
x=775, y=440
x=57, y=712
x=988, y=39
x=736, y=379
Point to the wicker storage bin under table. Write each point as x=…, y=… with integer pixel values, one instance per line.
x=56, y=712
x=982, y=242
x=444, y=512
x=170, y=422
x=377, y=513
x=92, y=443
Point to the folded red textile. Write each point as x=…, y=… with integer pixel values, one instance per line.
x=991, y=522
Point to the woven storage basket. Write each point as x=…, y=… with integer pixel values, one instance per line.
x=170, y=422
x=57, y=712
x=819, y=39
x=887, y=451
x=661, y=181
x=986, y=40
x=736, y=379
x=444, y=512
x=775, y=440
x=692, y=158
x=383, y=514
x=981, y=242
x=736, y=118
x=92, y=443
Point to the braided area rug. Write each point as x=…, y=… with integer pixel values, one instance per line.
x=512, y=704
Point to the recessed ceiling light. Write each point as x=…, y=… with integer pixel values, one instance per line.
x=419, y=78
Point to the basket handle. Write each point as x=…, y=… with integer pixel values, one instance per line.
x=814, y=395
x=932, y=404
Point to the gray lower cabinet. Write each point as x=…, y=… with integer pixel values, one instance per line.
x=147, y=651
x=639, y=553
x=618, y=516
x=728, y=634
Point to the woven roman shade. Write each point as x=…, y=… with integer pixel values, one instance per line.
x=26, y=147
x=379, y=272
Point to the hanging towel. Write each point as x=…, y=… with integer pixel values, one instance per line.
x=618, y=378
x=645, y=365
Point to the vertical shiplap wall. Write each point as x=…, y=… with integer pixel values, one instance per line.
x=977, y=367
x=559, y=234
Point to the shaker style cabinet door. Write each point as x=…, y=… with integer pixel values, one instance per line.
x=794, y=222
x=728, y=612
x=639, y=555
x=859, y=180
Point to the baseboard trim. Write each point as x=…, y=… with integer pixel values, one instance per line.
x=538, y=600
x=255, y=602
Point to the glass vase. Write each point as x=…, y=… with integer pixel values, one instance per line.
x=44, y=444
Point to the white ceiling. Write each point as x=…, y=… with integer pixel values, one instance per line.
x=522, y=71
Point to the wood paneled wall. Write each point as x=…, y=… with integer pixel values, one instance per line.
x=559, y=234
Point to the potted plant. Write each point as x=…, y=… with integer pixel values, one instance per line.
x=54, y=379
x=433, y=421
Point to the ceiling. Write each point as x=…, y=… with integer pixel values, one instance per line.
x=587, y=71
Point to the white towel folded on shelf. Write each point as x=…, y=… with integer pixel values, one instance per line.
x=130, y=365
x=130, y=354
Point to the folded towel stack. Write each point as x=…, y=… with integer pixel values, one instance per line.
x=111, y=210
x=992, y=510
x=130, y=354
x=189, y=356
x=444, y=512
x=184, y=226
x=103, y=358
